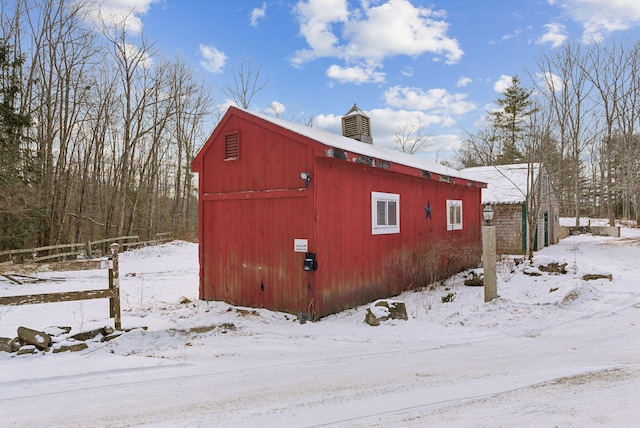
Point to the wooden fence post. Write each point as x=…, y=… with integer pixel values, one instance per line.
x=114, y=286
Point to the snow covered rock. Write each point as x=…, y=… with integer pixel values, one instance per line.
x=91, y=334
x=27, y=349
x=385, y=309
x=5, y=344
x=69, y=346
x=39, y=339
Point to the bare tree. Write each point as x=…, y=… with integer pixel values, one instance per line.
x=137, y=86
x=246, y=84
x=629, y=151
x=562, y=79
x=297, y=116
x=606, y=70
x=411, y=137
x=535, y=139
x=480, y=148
x=54, y=80
x=192, y=103
x=115, y=128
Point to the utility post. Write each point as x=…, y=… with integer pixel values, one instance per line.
x=489, y=254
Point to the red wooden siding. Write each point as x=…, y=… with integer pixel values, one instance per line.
x=253, y=205
x=267, y=161
x=248, y=254
x=251, y=211
x=360, y=266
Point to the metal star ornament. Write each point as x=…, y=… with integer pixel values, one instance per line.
x=427, y=210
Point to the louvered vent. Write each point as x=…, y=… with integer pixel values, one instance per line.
x=366, y=129
x=231, y=147
x=350, y=126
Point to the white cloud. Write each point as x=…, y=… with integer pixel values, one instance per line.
x=556, y=35
x=257, y=14
x=328, y=122
x=501, y=85
x=355, y=75
x=213, y=60
x=277, y=108
x=601, y=17
x=463, y=81
x=438, y=101
x=550, y=81
x=443, y=145
x=366, y=36
x=317, y=18
x=513, y=35
x=507, y=36
x=142, y=57
x=120, y=13
x=385, y=122
x=396, y=27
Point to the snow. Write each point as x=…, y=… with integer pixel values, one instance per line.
x=552, y=350
x=355, y=146
x=507, y=183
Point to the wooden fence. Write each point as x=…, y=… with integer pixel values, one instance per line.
x=87, y=250
x=112, y=293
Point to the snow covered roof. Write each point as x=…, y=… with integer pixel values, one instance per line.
x=506, y=183
x=355, y=110
x=354, y=146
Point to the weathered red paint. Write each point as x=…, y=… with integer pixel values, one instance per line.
x=252, y=209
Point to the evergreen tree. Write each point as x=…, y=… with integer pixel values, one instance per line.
x=515, y=107
x=17, y=210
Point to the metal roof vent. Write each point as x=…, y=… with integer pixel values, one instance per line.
x=355, y=124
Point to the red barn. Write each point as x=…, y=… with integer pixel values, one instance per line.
x=303, y=221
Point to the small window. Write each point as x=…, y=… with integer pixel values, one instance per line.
x=385, y=213
x=454, y=215
x=232, y=147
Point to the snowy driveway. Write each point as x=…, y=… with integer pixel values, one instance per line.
x=533, y=357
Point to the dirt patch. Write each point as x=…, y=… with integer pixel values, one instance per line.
x=629, y=241
x=585, y=378
x=245, y=312
x=224, y=327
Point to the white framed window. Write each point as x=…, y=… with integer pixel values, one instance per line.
x=385, y=213
x=454, y=214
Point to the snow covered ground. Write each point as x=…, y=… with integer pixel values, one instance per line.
x=552, y=350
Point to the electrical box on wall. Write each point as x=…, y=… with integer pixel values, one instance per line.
x=310, y=263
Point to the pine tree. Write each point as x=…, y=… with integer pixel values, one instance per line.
x=17, y=210
x=515, y=107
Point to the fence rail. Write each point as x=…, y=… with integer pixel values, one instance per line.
x=87, y=250
x=112, y=293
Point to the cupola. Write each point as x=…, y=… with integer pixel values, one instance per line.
x=355, y=124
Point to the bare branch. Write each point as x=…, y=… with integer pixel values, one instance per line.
x=246, y=84
x=412, y=137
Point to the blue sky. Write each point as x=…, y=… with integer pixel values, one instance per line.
x=438, y=63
